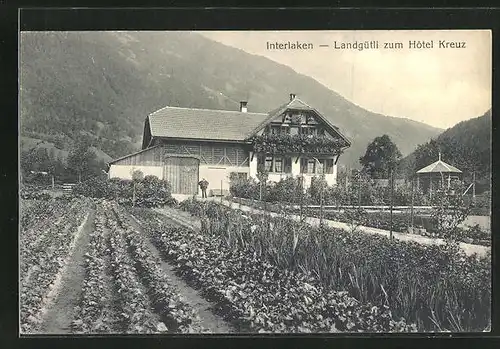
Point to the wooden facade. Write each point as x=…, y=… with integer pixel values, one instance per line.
x=181, y=171
x=179, y=162
x=210, y=153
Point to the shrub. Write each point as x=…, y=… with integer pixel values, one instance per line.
x=285, y=190
x=96, y=187
x=149, y=191
x=33, y=193
x=244, y=188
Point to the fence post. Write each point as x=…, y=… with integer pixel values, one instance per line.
x=392, y=195
x=473, y=185
x=321, y=207
x=412, y=202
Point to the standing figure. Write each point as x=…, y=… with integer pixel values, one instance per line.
x=203, y=186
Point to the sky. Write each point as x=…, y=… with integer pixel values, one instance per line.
x=438, y=86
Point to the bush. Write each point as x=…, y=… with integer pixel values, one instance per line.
x=286, y=190
x=33, y=193
x=96, y=187
x=245, y=188
x=149, y=191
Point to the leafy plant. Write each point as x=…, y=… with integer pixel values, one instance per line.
x=299, y=143
x=429, y=285
x=449, y=210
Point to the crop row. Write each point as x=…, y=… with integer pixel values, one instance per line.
x=42, y=264
x=91, y=313
x=437, y=287
x=42, y=216
x=256, y=295
x=34, y=212
x=140, y=299
x=134, y=311
x=175, y=313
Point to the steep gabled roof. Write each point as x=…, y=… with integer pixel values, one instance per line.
x=191, y=123
x=297, y=104
x=222, y=125
x=439, y=166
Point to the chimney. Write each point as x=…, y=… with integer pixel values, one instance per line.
x=292, y=96
x=243, y=106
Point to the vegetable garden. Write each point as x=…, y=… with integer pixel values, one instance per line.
x=438, y=288
x=259, y=273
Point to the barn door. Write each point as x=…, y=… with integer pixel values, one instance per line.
x=182, y=174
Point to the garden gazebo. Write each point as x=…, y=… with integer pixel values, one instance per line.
x=437, y=175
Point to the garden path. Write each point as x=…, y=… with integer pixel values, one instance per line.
x=62, y=312
x=208, y=318
x=469, y=249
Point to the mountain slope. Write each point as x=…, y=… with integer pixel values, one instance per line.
x=467, y=145
x=105, y=83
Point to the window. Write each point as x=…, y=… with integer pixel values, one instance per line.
x=278, y=165
x=307, y=165
x=312, y=166
x=287, y=164
x=269, y=164
x=308, y=131
x=240, y=175
x=320, y=167
x=285, y=130
x=328, y=166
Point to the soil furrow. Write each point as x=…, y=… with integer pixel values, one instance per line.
x=208, y=319
x=60, y=315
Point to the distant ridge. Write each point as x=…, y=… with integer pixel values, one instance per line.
x=467, y=146
x=106, y=83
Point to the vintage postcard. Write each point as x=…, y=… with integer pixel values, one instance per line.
x=255, y=181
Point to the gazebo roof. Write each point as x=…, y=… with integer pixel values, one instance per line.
x=439, y=167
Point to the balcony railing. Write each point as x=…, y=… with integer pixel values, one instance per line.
x=300, y=143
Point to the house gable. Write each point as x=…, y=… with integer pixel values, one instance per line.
x=297, y=114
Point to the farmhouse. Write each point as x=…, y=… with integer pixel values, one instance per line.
x=184, y=145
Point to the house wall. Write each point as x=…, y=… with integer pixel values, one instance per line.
x=215, y=175
x=331, y=178
x=125, y=171
x=216, y=162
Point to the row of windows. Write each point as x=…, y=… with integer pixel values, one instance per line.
x=296, y=130
x=280, y=164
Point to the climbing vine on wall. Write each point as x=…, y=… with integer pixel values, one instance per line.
x=285, y=143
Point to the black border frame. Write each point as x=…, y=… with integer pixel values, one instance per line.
x=217, y=19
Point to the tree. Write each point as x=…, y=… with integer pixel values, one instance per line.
x=81, y=157
x=380, y=157
x=137, y=176
x=449, y=210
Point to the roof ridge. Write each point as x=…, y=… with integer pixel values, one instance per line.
x=301, y=101
x=205, y=109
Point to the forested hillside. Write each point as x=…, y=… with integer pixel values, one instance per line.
x=466, y=146
x=101, y=86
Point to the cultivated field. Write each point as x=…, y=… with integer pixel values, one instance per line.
x=93, y=266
